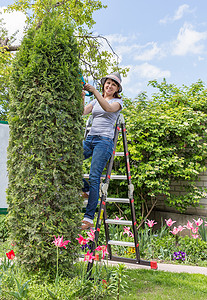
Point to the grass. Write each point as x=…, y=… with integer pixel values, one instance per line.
x=154, y=285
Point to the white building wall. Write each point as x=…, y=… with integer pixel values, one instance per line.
x=4, y=141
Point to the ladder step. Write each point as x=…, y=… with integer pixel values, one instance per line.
x=121, y=243
x=119, y=153
x=118, y=222
x=119, y=200
x=119, y=177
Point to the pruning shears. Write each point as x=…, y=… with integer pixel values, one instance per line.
x=83, y=83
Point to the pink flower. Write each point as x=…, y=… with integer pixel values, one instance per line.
x=10, y=254
x=205, y=224
x=127, y=231
x=117, y=218
x=81, y=240
x=189, y=225
x=175, y=230
x=195, y=236
x=169, y=222
x=91, y=234
x=198, y=222
x=180, y=228
x=150, y=223
x=194, y=230
x=89, y=257
x=102, y=248
x=59, y=242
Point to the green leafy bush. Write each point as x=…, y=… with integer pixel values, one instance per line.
x=45, y=148
x=167, y=143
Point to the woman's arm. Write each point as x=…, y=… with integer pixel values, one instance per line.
x=88, y=108
x=113, y=107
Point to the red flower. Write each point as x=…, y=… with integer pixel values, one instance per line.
x=10, y=254
x=104, y=282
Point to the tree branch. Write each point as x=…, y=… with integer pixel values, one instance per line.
x=149, y=212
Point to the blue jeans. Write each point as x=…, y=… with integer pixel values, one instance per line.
x=100, y=148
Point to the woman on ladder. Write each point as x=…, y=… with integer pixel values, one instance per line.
x=99, y=142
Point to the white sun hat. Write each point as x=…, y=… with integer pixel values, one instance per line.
x=116, y=77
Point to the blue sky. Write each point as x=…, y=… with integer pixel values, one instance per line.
x=156, y=39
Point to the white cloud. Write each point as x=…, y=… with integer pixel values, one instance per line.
x=138, y=52
x=119, y=38
x=189, y=41
x=138, y=77
x=14, y=21
x=179, y=13
x=201, y=58
x=150, y=72
x=149, y=52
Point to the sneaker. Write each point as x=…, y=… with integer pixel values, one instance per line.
x=85, y=195
x=86, y=225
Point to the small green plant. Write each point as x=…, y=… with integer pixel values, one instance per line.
x=22, y=290
x=119, y=281
x=203, y=231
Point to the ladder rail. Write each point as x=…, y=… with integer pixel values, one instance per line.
x=102, y=215
x=130, y=192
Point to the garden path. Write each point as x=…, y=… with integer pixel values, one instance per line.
x=168, y=267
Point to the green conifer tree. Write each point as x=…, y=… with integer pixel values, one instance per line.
x=45, y=148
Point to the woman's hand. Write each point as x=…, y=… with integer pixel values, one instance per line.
x=88, y=87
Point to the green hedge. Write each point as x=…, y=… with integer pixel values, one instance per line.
x=45, y=148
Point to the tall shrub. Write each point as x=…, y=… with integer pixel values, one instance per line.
x=45, y=148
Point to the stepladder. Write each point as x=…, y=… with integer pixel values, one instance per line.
x=105, y=200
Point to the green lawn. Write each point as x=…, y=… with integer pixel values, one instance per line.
x=150, y=284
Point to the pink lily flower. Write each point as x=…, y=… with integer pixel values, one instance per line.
x=59, y=242
x=98, y=248
x=180, y=228
x=91, y=234
x=89, y=257
x=194, y=230
x=104, y=251
x=117, y=218
x=151, y=223
x=102, y=248
x=175, y=230
x=205, y=224
x=195, y=236
x=81, y=240
x=127, y=231
x=189, y=225
x=169, y=222
x=198, y=222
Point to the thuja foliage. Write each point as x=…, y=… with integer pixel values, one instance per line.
x=167, y=141
x=45, y=148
